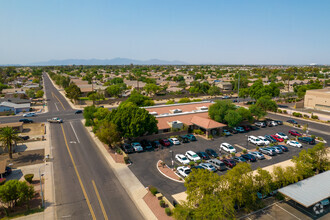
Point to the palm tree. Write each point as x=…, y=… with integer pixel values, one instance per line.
x=7, y=137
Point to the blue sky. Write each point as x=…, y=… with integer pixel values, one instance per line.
x=194, y=31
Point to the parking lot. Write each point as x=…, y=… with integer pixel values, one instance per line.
x=144, y=164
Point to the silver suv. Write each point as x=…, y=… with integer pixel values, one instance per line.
x=217, y=164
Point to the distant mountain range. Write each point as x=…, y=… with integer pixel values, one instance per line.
x=115, y=61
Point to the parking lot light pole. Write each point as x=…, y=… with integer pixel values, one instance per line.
x=172, y=158
x=41, y=192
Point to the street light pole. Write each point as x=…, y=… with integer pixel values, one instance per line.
x=172, y=158
x=41, y=192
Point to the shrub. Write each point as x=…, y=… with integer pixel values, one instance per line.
x=210, y=137
x=244, y=151
x=153, y=190
x=171, y=101
x=306, y=116
x=29, y=177
x=2, y=181
x=313, y=136
x=184, y=100
x=198, y=161
x=126, y=160
x=168, y=211
x=162, y=203
x=297, y=114
x=191, y=163
x=285, y=112
x=118, y=151
x=279, y=196
x=315, y=117
x=198, y=131
x=320, y=138
x=257, y=148
x=233, y=154
x=279, y=110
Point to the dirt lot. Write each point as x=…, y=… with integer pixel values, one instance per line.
x=25, y=158
x=34, y=129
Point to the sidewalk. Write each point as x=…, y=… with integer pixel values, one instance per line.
x=128, y=180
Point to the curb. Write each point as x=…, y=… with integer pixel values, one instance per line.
x=168, y=176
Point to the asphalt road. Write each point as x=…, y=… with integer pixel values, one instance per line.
x=85, y=185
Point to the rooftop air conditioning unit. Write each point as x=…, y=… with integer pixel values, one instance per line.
x=176, y=111
x=153, y=113
x=203, y=108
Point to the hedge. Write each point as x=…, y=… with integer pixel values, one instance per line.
x=29, y=177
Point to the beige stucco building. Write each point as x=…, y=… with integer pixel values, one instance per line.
x=318, y=99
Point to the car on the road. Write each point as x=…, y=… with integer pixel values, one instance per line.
x=229, y=162
x=31, y=114
x=25, y=120
x=127, y=148
x=156, y=144
x=208, y=166
x=257, y=154
x=263, y=139
x=260, y=124
x=226, y=132
x=165, y=142
x=78, y=112
x=191, y=155
x=277, y=138
x=270, y=138
x=255, y=140
x=239, y=129
x=191, y=137
x=203, y=155
x=284, y=148
x=282, y=135
x=227, y=148
x=294, y=143
x=277, y=149
x=183, y=171
x=146, y=145
x=291, y=121
x=238, y=159
x=295, y=133
x=183, y=139
x=217, y=164
x=182, y=159
x=307, y=140
x=279, y=122
x=268, y=151
x=225, y=97
x=249, y=157
x=137, y=147
x=211, y=152
x=55, y=120
x=24, y=138
x=174, y=141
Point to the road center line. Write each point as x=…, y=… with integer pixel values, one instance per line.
x=77, y=173
x=100, y=201
x=58, y=100
x=74, y=131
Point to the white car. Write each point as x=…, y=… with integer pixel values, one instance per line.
x=191, y=155
x=31, y=114
x=263, y=139
x=282, y=135
x=175, y=141
x=183, y=171
x=182, y=159
x=255, y=140
x=227, y=148
x=294, y=144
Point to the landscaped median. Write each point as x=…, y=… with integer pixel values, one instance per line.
x=168, y=172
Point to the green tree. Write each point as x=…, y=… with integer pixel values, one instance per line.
x=264, y=181
x=107, y=133
x=245, y=114
x=219, y=109
x=139, y=99
x=25, y=193
x=114, y=90
x=30, y=93
x=257, y=111
x=214, y=90
x=233, y=118
x=243, y=93
x=73, y=91
x=89, y=115
x=8, y=136
x=267, y=104
x=39, y=94
x=151, y=88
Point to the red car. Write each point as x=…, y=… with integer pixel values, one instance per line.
x=277, y=138
x=165, y=142
x=295, y=133
x=229, y=162
x=246, y=127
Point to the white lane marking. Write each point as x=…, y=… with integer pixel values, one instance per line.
x=287, y=211
x=56, y=106
x=74, y=131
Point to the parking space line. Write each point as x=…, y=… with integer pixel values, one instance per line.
x=239, y=146
x=287, y=211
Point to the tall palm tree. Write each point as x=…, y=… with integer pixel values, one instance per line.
x=7, y=137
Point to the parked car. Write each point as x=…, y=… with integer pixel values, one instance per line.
x=226, y=132
x=291, y=121
x=257, y=154
x=156, y=144
x=284, y=148
x=165, y=142
x=182, y=159
x=8, y=171
x=146, y=145
x=233, y=131
x=239, y=129
x=211, y=152
x=203, y=155
x=277, y=149
x=268, y=151
x=279, y=122
x=198, y=167
x=183, y=139
x=191, y=155
x=217, y=164
x=183, y=171
x=208, y=166
x=137, y=147
x=260, y=124
x=255, y=140
x=277, y=138
x=294, y=143
x=282, y=135
x=307, y=140
x=174, y=141
x=31, y=114
x=238, y=159
x=295, y=133
x=227, y=148
x=270, y=138
x=272, y=123
x=229, y=162
x=246, y=128
x=127, y=148
x=78, y=112
x=191, y=137
x=225, y=97
x=249, y=157
x=24, y=138
x=263, y=139
x=25, y=120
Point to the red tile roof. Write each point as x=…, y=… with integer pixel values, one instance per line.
x=206, y=123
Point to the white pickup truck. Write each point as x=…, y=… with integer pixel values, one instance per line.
x=55, y=120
